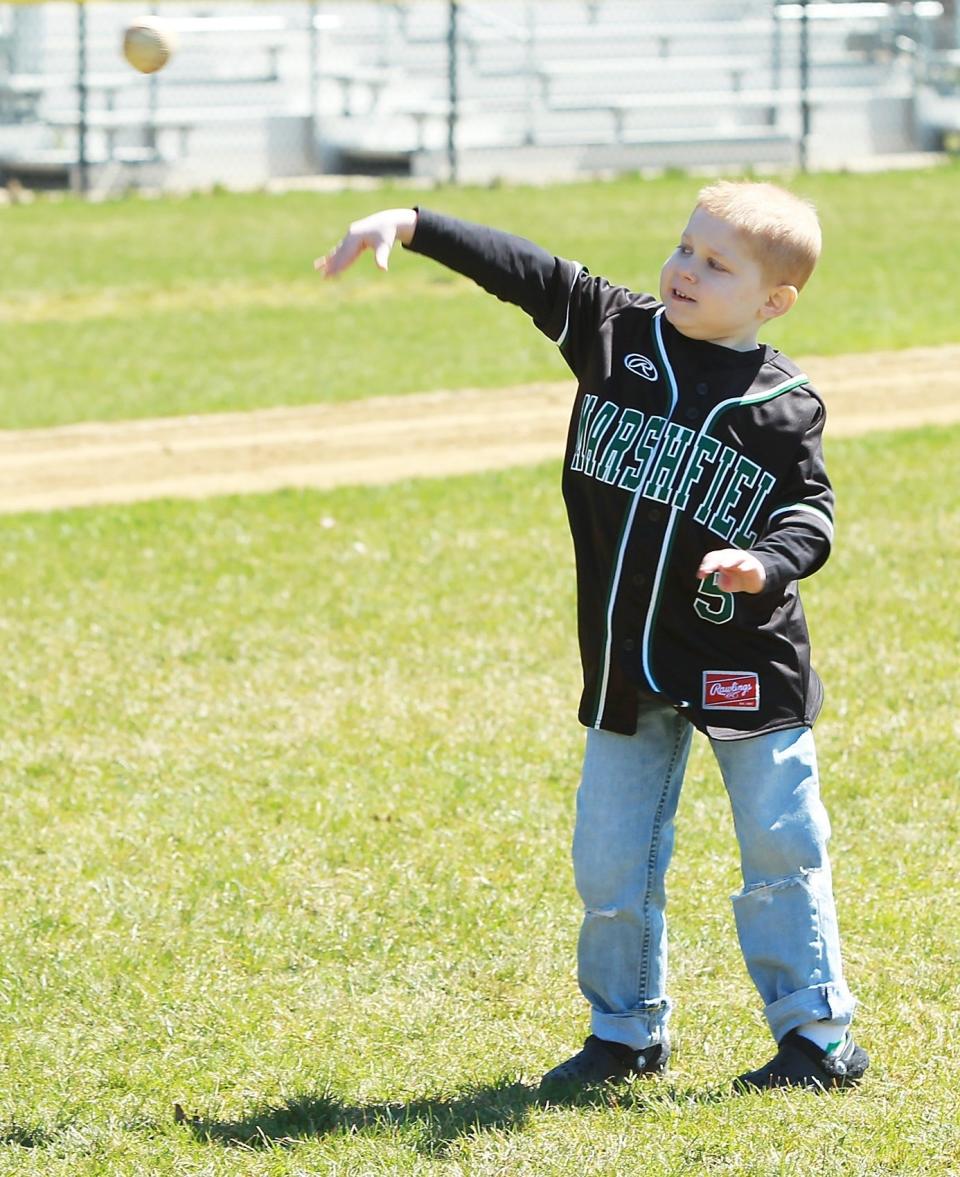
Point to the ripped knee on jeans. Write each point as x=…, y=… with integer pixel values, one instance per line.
x=601, y=913
x=803, y=879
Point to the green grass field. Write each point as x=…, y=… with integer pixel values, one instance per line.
x=146, y=308
x=288, y=779
x=288, y=787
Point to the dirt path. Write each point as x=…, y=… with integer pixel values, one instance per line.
x=390, y=438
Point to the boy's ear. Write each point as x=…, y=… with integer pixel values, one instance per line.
x=780, y=300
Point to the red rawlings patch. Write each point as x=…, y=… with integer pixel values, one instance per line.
x=731, y=690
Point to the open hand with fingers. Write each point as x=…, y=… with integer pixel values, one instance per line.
x=378, y=232
x=737, y=571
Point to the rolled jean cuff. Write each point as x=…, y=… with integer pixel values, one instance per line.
x=637, y=1028
x=833, y=1002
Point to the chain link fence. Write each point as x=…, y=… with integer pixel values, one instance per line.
x=477, y=91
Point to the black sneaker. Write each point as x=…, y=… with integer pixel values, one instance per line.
x=801, y=1063
x=601, y=1061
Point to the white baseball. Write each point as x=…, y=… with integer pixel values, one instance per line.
x=148, y=44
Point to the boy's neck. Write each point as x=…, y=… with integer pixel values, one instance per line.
x=751, y=343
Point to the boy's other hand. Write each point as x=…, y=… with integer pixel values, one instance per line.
x=378, y=232
x=737, y=571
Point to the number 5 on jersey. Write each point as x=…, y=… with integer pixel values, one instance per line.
x=713, y=604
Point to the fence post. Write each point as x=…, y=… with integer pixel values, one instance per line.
x=453, y=88
x=530, y=66
x=804, y=85
x=153, y=106
x=776, y=50
x=82, y=176
x=313, y=81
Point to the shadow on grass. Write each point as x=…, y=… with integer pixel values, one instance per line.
x=430, y=1125
x=25, y=1137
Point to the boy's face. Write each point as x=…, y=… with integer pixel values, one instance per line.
x=714, y=289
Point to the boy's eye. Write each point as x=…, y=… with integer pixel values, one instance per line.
x=684, y=249
x=715, y=265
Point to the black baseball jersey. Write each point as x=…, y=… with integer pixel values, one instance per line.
x=676, y=447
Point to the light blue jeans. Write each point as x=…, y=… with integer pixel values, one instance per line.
x=785, y=915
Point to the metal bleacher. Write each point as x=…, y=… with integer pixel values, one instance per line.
x=618, y=84
x=532, y=88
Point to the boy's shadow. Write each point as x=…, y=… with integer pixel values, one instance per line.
x=431, y=1125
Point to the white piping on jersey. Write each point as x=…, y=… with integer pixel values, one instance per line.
x=810, y=509
x=655, y=597
x=566, y=325
x=756, y=398
x=628, y=525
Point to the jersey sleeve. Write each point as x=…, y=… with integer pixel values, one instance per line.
x=799, y=532
x=561, y=297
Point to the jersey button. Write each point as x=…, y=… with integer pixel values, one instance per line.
x=654, y=514
x=629, y=645
x=639, y=579
x=692, y=414
x=702, y=389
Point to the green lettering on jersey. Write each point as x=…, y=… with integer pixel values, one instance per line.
x=586, y=409
x=676, y=442
x=632, y=476
x=630, y=424
x=745, y=537
x=706, y=447
x=590, y=430
x=598, y=426
x=744, y=475
x=727, y=458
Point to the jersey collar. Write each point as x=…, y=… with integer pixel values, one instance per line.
x=713, y=356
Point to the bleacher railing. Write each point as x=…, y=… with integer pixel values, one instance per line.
x=469, y=89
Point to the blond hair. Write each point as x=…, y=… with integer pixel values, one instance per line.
x=780, y=229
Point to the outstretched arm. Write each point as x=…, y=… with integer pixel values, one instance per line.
x=509, y=267
x=559, y=295
x=378, y=232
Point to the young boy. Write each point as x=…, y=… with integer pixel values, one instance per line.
x=697, y=498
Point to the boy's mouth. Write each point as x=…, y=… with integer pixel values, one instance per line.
x=683, y=297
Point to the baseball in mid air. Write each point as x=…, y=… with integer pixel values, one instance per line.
x=148, y=44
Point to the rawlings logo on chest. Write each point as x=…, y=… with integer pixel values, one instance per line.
x=640, y=366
